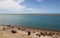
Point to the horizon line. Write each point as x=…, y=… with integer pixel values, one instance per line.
x=31, y=14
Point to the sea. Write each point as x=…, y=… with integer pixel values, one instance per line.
x=32, y=21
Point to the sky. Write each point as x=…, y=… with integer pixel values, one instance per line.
x=29, y=6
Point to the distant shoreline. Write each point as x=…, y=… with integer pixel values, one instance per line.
x=34, y=28
x=40, y=28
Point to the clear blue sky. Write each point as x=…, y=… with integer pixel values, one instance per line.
x=30, y=6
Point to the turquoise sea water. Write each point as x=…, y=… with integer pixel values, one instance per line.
x=34, y=21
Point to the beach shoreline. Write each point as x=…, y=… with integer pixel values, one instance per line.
x=26, y=32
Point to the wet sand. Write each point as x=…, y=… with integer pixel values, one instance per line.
x=10, y=31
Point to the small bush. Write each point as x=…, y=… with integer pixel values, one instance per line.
x=14, y=31
x=29, y=33
x=18, y=28
x=41, y=33
x=38, y=35
x=3, y=28
x=12, y=27
x=8, y=26
x=2, y=25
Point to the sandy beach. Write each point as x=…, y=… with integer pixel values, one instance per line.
x=11, y=31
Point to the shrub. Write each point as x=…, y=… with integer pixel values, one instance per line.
x=18, y=28
x=38, y=35
x=8, y=26
x=12, y=27
x=3, y=28
x=14, y=31
x=29, y=32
